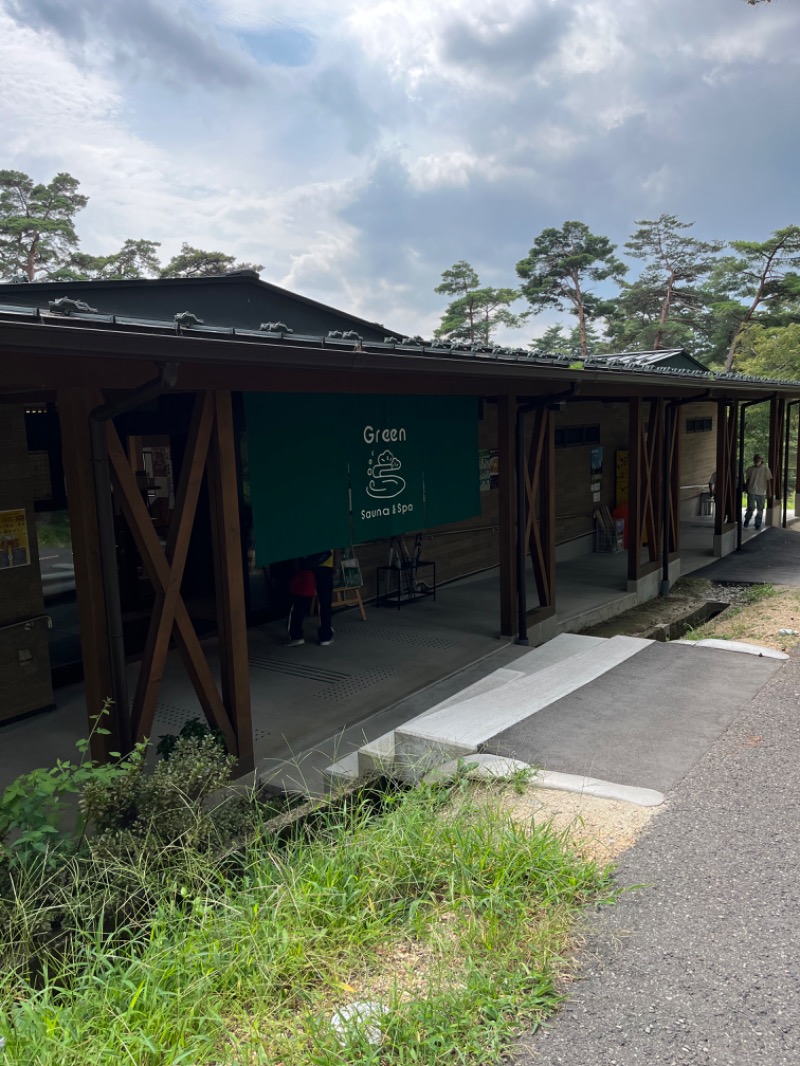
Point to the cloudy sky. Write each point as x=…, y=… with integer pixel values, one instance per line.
x=357, y=148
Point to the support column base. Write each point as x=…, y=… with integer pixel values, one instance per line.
x=541, y=632
x=724, y=543
x=648, y=587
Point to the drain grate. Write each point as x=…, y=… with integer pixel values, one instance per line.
x=417, y=638
x=351, y=686
x=311, y=673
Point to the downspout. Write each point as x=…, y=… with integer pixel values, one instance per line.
x=519, y=442
x=107, y=538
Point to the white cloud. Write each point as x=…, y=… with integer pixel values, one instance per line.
x=407, y=134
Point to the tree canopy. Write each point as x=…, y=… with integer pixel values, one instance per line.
x=661, y=309
x=195, y=263
x=476, y=312
x=37, y=224
x=38, y=240
x=560, y=266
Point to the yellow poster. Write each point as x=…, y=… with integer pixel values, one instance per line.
x=14, y=543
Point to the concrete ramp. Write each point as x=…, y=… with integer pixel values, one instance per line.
x=460, y=726
x=643, y=723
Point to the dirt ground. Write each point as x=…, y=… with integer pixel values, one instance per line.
x=756, y=613
x=600, y=829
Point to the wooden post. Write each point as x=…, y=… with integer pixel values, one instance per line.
x=675, y=485
x=74, y=406
x=507, y=503
x=777, y=428
x=728, y=503
x=540, y=525
x=229, y=577
x=158, y=569
x=162, y=620
x=635, y=463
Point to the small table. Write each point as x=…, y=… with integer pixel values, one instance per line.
x=407, y=582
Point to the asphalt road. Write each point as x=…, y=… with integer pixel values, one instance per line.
x=701, y=964
x=646, y=721
x=770, y=557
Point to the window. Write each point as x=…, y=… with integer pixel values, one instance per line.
x=698, y=425
x=574, y=436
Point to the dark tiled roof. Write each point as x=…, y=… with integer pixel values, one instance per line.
x=187, y=323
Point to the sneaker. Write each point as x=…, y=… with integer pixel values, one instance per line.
x=293, y=643
x=325, y=643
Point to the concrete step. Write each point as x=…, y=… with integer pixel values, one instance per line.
x=557, y=650
x=341, y=773
x=459, y=729
x=378, y=755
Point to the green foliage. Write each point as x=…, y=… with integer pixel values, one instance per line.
x=38, y=241
x=52, y=530
x=770, y=351
x=194, y=728
x=196, y=263
x=87, y=846
x=663, y=307
x=250, y=967
x=560, y=266
x=38, y=820
x=476, y=312
x=37, y=225
x=761, y=277
x=136, y=259
x=556, y=342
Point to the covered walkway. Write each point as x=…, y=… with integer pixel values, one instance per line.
x=312, y=704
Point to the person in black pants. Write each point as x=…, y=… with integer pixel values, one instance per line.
x=321, y=567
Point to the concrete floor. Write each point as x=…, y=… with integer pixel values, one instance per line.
x=312, y=705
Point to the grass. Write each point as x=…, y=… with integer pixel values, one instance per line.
x=736, y=621
x=453, y=917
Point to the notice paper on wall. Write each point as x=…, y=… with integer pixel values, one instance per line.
x=14, y=542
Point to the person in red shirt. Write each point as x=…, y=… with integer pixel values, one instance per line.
x=313, y=576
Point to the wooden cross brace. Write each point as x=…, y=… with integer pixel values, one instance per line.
x=165, y=569
x=534, y=486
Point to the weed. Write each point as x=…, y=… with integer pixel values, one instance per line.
x=248, y=965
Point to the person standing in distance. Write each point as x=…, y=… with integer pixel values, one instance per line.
x=313, y=574
x=758, y=483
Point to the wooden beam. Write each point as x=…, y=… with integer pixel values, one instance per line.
x=777, y=429
x=229, y=579
x=162, y=619
x=74, y=407
x=539, y=477
x=727, y=490
x=158, y=569
x=507, y=504
x=674, y=448
x=635, y=488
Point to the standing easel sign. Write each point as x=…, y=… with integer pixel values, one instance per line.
x=14, y=541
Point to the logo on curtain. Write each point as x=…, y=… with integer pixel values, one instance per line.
x=384, y=481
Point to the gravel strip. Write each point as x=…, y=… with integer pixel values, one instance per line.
x=701, y=964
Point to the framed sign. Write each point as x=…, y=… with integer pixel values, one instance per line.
x=14, y=541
